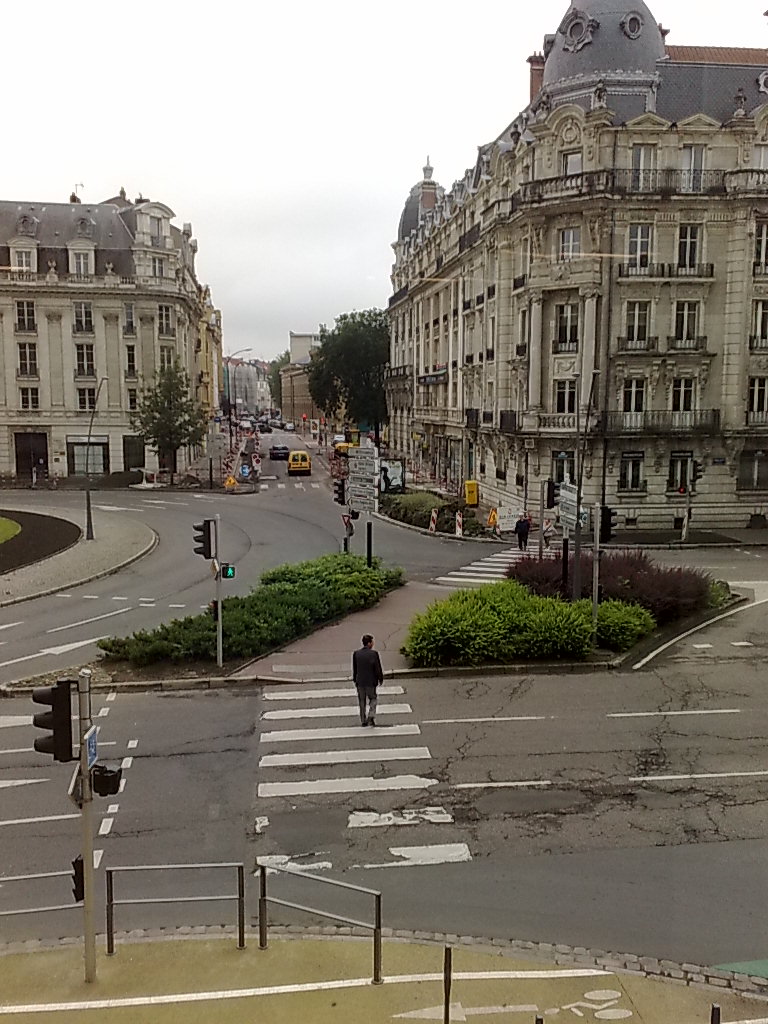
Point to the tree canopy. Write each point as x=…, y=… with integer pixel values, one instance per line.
x=167, y=416
x=275, y=384
x=348, y=368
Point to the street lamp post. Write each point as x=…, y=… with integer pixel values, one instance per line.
x=581, y=445
x=88, y=512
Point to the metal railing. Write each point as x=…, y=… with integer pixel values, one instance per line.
x=29, y=878
x=239, y=896
x=265, y=900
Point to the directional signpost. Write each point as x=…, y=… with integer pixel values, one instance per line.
x=568, y=507
x=363, y=488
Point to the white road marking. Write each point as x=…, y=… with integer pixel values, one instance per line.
x=9, y=721
x=698, y=775
x=315, y=486
x=126, y=762
x=10, y=783
x=177, y=606
x=420, y=856
x=106, y=826
x=121, y=787
x=501, y=785
x=415, y=816
x=10, y=625
x=672, y=714
x=117, y=508
x=62, y=595
x=150, y=599
x=279, y=860
x=366, y=784
x=103, y=712
x=281, y=487
x=300, y=735
x=741, y=643
x=90, y=597
x=84, y=622
x=265, y=487
x=295, y=669
x=385, y=691
x=310, y=986
x=113, y=808
x=702, y=647
x=97, y=855
x=498, y=718
x=34, y=821
x=345, y=756
x=260, y=824
x=347, y=712
x=119, y=598
x=132, y=744
x=111, y=695
x=65, y=648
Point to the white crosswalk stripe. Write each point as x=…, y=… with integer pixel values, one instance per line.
x=354, y=766
x=491, y=569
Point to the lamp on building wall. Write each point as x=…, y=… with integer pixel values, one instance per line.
x=88, y=512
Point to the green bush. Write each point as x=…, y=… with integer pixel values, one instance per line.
x=500, y=623
x=415, y=509
x=289, y=602
x=621, y=625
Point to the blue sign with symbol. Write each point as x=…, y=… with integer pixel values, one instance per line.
x=217, y=419
x=245, y=470
x=91, y=745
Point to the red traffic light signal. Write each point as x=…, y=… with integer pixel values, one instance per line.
x=682, y=489
x=304, y=416
x=58, y=721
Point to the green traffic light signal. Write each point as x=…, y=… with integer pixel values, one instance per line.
x=227, y=571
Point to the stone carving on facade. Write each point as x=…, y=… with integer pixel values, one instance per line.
x=659, y=451
x=26, y=226
x=544, y=108
x=706, y=366
x=740, y=101
x=595, y=231
x=578, y=29
x=539, y=239
x=655, y=375
x=110, y=269
x=632, y=24
x=762, y=82
x=570, y=133
x=51, y=277
x=734, y=446
x=600, y=96
x=652, y=95
x=84, y=227
x=563, y=367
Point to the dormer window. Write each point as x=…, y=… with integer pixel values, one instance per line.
x=572, y=162
x=156, y=231
x=158, y=266
x=81, y=260
x=23, y=259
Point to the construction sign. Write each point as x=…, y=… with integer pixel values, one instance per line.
x=493, y=518
x=230, y=482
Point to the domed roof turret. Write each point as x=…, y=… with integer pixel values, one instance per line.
x=601, y=36
x=423, y=197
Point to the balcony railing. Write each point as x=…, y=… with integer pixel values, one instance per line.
x=639, y=488
x=687, y=344
x=760, y=269
x=473, y=418
x=758, y=344
x=670, y=182
x=586, y=184
x=643, y=270
x=694, y=270
x=81, y=278
x=84, y=373
x=560, y=345
x=557, y=421
x=757, y=419
x=82, y=328
x=25, y=327
x=398, y=371
x=129, y=330
x=746, y=181
x=508, y=422
x=28, y=372
x=701, y=421
x=132, y=374
x=641, y=345
x=166, y=331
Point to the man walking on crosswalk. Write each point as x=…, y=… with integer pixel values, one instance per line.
x=367, y=674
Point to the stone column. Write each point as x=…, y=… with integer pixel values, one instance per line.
x=56, y=363
x=147, y=355
x=114, y=367
x=588, y=345
x=535, y=352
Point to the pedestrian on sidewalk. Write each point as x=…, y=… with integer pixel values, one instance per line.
x=367, y=674
x=548, y=532
x=522, y=529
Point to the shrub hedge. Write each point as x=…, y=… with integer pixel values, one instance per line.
x=288, y=602
x=415, y=509
x=667, y=593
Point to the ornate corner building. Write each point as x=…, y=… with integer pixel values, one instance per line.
x=94, y=299
x=614, y=236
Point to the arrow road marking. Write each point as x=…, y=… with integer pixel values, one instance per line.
x=9, y=721
x=459, y=1012
x=9, y=625
x=61, y=649
x=84, y=622
x=20, y=782
x=417, y=856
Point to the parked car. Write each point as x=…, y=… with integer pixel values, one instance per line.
x=279, y=451
x=265, y=428
x=299, y=462
x=290, y=425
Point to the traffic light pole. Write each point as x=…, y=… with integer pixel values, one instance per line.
x=219, y=628
x=596, y=563
x=687, y=518
x=86, y=821
x=542, y=485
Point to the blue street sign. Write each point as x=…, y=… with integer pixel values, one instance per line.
x=92, y=749
x=217, y=419
x=245, y=470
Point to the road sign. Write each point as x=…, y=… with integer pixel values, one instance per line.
x=346, y=520
x=217, y=419
x=360, y=491
x=214, y=567
x=365, y=504
x=505, y=519
x=245, y=471
x=91, y=744
x=230, y=482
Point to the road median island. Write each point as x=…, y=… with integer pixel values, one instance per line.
x=327, y=981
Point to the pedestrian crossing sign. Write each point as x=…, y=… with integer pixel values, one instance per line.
x=230, y=482
x=493, y=517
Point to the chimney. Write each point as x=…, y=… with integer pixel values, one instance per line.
x=536, y=61
x=73, y=198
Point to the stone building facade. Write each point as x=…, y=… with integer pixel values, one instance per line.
x=94, y=299
x=601, y=273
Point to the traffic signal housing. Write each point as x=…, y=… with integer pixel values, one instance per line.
x=609, y=520
x=552, y=495
x=213, y=608
x=228, y=571
x=78, y=879
x=697, y=472
x=58, y=721
x=203, y=538
x=339, y=491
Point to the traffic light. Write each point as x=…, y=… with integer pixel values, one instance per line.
x=78, y=879
x=106, y=781
x=697, y=474
x=609, y=520
x=58, y=721
x=213, y=608
x=339, y=491
x=227, y=571
x=203, y=538
x=682, y=489
x=553, y=494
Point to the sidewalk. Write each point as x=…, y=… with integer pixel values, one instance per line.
x=328, y=981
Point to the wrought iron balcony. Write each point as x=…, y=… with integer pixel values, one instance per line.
x=670, y=182
x=699, y=421
x=639, y=345
x=643, y=270
x=694, y=270
x=698, y=344
x=560, y=345
x=758, y=344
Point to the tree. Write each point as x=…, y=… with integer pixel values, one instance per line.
x=348, y=368
x=275, y=384
x=167, y=416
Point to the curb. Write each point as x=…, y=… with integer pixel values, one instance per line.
x=558, y=954
x=88, y=579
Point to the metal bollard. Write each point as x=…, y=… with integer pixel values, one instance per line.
x=240, y=907
x=377, y=980
x=714, y=1017
x=262, y=907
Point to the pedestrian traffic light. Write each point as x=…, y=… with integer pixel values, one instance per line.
x=698, y=472
x=203, y=538
x=78, y=879
x=553, y=494
x=339, y=491
x=58, y=721
x=227, y=571
x=609, y=520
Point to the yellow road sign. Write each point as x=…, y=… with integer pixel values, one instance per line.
x=493, y=517
x=230, y=482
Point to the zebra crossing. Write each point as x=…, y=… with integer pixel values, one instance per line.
x=491, y=569
x=370, y=779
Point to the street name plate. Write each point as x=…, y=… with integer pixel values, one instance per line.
x=91, y=743
x=364, y=504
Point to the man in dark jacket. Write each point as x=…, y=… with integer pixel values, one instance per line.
x=367, y=674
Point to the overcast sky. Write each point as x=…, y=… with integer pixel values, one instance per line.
x=289, y=133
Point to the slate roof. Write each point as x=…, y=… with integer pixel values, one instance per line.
x=688, y=89
x=719, y=55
